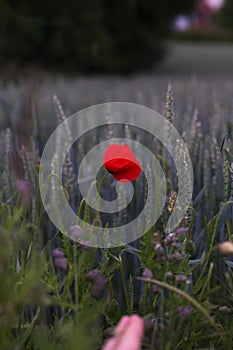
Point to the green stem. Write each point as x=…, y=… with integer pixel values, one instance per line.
x=76, y=292
x=124, y=286
x=192, y=301
x=207, y=258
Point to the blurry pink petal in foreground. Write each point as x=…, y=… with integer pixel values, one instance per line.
x=128, y=334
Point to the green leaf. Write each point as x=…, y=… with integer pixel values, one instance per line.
x=220, y=181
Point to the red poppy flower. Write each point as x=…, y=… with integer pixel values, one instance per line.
x=120, y=161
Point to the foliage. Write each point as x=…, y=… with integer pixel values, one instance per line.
x=216, y=36
x=178, y=282
x=225, y=16
x=119, y=36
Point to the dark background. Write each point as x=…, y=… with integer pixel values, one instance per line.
x=98, y=35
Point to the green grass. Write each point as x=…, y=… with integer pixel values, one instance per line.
x=45, y=305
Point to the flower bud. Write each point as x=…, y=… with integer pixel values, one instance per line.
x=57, y=253
x=181, y=230
x=159, y=249
x=61, y=263
x=24, y=189
x=224, y=308
x=226, y=248
x=184, y=311
x=155, y=289
x=171, y=237
x=98, y=287
x=176, y=256
x=157, y=237
x=176, y=245
x=168, y=275
x=147, y=274
x=76, y=233
x=92, y=274
x=181, y=278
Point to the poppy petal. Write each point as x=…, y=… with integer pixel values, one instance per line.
x=120, y=161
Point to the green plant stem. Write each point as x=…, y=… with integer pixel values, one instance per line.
x=212, y=242
x=192, y=301
x=76, y=292
x=124, y=285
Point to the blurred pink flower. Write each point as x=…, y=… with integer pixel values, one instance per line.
x=224, y=308
x=155, y=289
x=169, y=275
x=24, y=189
x=147, y=273
x=171, y=237
x=185, y=311
x=61, y=263
x=176, y=256
x=181, y=230
x=59, y=260
x=76, y=233
x=98, y=287
x=181, y=278
x=92, y=274
x=57, y=253
x=159, y=249
x=76, y=237
x=128, y=334
x=98, y=283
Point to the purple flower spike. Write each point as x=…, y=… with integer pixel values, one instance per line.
x=98, y=287
x=147, y=273
x=57, y=253
x=169, y=275
x=24, y=189
x=92, y=275
x=185, y=311
x=76, y=233
x=181, y=230
x=61, y=264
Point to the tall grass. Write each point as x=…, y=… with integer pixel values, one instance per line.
x=59, y=294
